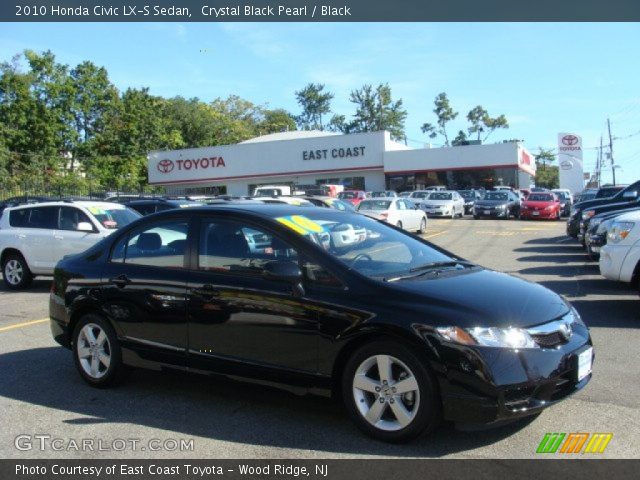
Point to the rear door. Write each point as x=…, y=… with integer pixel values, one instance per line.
x=36, y=238
x=144, y=290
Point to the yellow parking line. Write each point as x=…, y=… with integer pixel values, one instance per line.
x=23, y=324
x=434, y=234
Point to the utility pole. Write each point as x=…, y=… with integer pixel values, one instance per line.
x=613, y=168
x=599, y=164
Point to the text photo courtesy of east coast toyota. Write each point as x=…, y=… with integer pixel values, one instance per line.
x=313, y=241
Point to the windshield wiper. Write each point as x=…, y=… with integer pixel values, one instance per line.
x=425, y=268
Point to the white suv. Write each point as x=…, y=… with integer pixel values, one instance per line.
x=33, y=238
x=620, y=257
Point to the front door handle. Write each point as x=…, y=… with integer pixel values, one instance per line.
x=120, y=281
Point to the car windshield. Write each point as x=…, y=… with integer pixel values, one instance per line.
x=379, y=194
x=467, y=194
x=420, y=195
x=114, y=217
x=496, y=196
x=440, y=196
x=607, y=192
x=365, y=245
x=540, y=197
x=374, y=205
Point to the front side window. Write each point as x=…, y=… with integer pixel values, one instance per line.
x=70, y=217
x=227, y=246
x=159, y=245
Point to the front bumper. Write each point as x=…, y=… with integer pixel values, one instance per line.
x=488, y=385
x=538, y=214
x=618, y=262
x=491, y=212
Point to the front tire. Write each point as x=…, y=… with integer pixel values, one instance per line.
x=96, y=352
x=15, y=272
x=389, y=392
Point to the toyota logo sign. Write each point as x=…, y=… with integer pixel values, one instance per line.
x=165, y=166
x=570, y=140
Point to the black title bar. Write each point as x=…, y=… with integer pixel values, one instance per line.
x=320, y=11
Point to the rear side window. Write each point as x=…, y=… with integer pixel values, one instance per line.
x=37, y=217
x=159, y=245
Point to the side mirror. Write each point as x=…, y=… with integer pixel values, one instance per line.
x=284, y=270
x=630, y=195
x=84, y=227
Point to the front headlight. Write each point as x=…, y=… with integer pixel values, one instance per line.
x=489, y=337
x=588, y=214
x=619, y=231
x=501, y=207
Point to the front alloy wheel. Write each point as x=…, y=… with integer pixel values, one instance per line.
x=389, y=392
x=423, y=225
x=386, y=392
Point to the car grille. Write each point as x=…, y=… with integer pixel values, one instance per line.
x=550, y=340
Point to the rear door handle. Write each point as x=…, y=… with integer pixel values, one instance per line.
x=58, y=237
x=120, y=281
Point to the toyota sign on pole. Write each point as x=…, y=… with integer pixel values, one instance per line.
x=570, y=162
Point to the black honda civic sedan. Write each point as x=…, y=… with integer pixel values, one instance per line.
x=404, y=332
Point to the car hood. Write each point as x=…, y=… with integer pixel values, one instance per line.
x=482, y=297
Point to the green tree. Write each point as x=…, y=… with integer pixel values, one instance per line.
x=278, y=120
x=444, y=114
x=460, y=139
x=375, y=111
x=481, y=122
x=315, y=103
x=547, y=176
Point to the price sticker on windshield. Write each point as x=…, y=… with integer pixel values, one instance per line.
x=301, y=224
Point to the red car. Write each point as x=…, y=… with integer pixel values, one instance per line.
x=540, y=205
x=352, y=196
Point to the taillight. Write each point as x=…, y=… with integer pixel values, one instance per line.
x=384, y=215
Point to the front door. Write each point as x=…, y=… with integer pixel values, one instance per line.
x=144, y=291
x=67, y=239
x=241, y=320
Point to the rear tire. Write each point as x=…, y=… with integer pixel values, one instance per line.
x=96, y=352
x=423, y=225
x=376, y=407
x=399, y=224
x=15, y=272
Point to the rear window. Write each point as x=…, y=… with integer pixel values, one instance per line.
x=374, y=205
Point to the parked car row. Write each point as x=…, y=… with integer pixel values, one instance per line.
x=608, y=226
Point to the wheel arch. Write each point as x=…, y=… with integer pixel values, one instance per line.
x=364, y=337
x=82, y=310
x=8, y=251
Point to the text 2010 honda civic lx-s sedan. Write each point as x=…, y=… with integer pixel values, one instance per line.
x=404, y=332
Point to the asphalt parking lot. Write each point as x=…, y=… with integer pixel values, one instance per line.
x=41, y=392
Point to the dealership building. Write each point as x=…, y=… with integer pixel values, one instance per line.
x=363, y=161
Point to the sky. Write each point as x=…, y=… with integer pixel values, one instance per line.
x=545, y=78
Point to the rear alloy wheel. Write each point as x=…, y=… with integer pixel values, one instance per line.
x=389, y=392
x=97, y=352
x=15, y=272
x=423, y=225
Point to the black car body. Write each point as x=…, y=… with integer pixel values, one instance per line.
x=470, y=199
x=497, y=204
x=187, y=290
x=627, y=194
x=148, y=206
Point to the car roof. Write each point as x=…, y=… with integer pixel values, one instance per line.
x=265, y=210
x=67, y=203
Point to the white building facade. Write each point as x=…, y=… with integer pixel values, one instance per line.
x=363, y=161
